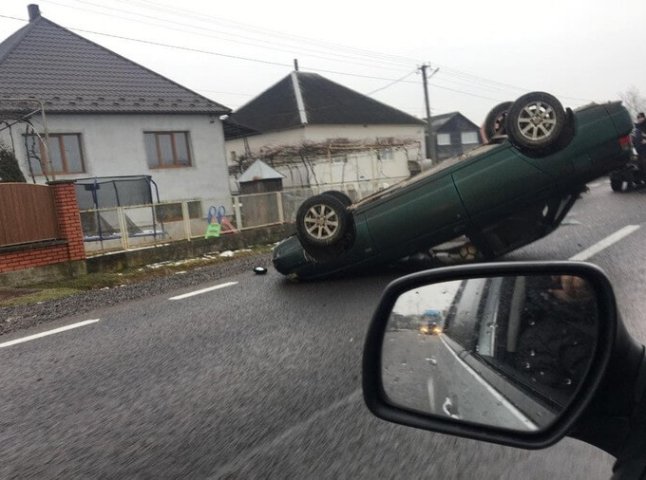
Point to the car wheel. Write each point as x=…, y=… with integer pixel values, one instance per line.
x=322, y=221
x=535, y=121
x=616, y=184
x=342, y=197
x=494, y=124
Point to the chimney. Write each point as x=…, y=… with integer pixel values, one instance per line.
x=34, y=12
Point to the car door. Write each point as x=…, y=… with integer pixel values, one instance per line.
x=417, y=216
x=500, y=183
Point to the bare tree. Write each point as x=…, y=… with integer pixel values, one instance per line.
x=633, y=101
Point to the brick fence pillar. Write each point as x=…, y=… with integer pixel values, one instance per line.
x=69, y=218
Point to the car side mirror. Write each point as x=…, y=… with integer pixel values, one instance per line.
x=510, y=353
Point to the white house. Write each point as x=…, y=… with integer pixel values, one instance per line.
x=315, y=131
x=105, y=116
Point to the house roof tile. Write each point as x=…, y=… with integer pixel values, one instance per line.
x=439, y=121
x=323, y=103
x=71, y=74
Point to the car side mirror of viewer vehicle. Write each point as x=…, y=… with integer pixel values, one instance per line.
x=519, y=354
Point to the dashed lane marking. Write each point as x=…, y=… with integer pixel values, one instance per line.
x=47, y=333
x=204, y=290
x=605, y=243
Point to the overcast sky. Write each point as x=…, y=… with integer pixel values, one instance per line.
x=487, y=52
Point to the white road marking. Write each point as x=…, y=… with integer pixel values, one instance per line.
x=431, y=394
x=494, y=393
x=47, y=333
x=605, y=243
x=204, y=290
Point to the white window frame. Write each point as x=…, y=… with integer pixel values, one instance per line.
x=472, y=138
x=443, y=139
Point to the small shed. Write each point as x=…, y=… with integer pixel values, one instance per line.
x=259, y=184
x=260, y=178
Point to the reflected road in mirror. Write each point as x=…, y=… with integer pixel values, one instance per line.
x=506, y=352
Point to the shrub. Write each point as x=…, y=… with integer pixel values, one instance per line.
x=9, y=169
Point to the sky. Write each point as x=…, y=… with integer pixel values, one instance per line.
x=484, y=52
x=438, y=296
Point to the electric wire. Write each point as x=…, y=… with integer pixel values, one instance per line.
x=463, y=79
x=479, y=82
x=250, y=41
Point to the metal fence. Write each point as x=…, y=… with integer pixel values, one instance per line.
x=137, y=226
x=130, y=227
x=28, y=214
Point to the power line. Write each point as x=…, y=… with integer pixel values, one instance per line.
x=457, y=76
x=220, y=54
x=264, y=31
x=392, y=82
x=464, y=92
x=14, y=18
x=246, y=40
x=266, y=62
x=399, y=80
x=177, y=47
x=478, y=81
x=207, y=52
x=262, y=43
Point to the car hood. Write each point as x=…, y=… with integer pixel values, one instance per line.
x=290, y=258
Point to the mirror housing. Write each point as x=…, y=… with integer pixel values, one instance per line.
x=375, y=394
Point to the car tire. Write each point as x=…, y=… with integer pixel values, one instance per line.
x=535, y=121
x=342, y=197
x=322, y=221
x=495, y=125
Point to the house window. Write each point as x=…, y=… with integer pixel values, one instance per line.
x=167, y=149
x=444, y=139
x=64, y=153
x=469, y=138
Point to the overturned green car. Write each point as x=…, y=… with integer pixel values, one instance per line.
x=503, y=195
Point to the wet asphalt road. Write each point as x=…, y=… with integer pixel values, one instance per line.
x=261, y=379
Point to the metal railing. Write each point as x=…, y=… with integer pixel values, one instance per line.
x=130, y=227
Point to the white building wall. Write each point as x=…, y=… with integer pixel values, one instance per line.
x=359, y=167
x=113, y=145
x=364, y=133
x=356, y=170
x=322, y=133
x=268, y=140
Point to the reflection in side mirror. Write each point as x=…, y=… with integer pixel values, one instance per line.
x=508, y=352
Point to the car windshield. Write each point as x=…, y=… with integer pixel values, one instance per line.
x=202, y=203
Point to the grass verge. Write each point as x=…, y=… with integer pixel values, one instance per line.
x=44, y=291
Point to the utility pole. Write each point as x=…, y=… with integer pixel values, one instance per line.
x=430, y=140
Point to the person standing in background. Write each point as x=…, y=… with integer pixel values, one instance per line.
x=639, y=140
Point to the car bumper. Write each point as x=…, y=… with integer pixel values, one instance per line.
x=290, y=259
